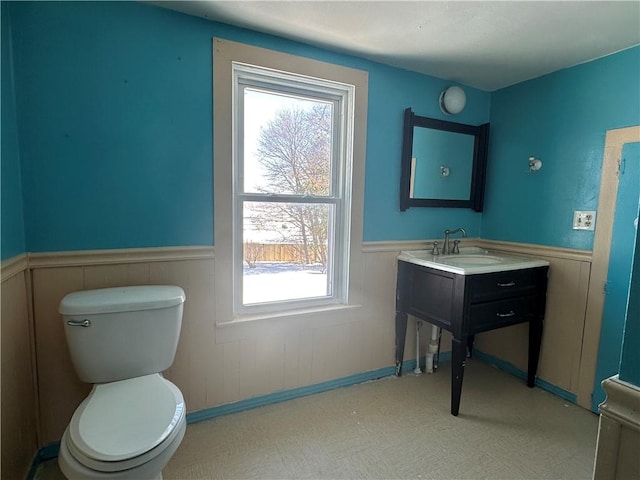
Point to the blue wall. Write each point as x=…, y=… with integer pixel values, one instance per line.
x=114, y=109
x=562, y=119
x=12, y=227
x=115, y=112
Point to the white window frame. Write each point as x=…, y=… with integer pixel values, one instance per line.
x=341, y=96
x=231, y=59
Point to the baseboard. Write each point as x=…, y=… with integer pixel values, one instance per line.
x=283, y=395
x=513, y=370
x=48, y=452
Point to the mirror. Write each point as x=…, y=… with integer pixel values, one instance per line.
x=443, y=163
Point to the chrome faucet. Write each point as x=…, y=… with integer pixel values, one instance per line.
x=446, y=248
x=436, y=249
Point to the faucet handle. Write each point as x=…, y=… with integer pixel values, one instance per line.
x=456, y=249
x=436, y=249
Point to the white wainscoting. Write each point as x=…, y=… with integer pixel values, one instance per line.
x=564, y=322
x=221, y=364
x=19, y=424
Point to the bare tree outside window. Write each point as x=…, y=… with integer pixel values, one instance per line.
x=294, y=151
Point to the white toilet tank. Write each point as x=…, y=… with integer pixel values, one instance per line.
x=123, y=332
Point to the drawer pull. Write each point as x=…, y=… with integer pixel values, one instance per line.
x=508, y=284
x=503, y=315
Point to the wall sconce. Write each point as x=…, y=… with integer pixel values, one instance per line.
x=535, y=164
x=452, y=100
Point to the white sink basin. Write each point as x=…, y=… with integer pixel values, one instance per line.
x=470, y=261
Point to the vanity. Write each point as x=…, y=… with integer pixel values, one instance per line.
x=468, y=293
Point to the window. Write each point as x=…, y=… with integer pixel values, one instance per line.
x=292, y=189
x=288, y=169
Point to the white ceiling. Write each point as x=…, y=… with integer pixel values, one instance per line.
x=483, y=44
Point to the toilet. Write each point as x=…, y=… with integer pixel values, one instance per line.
x=133, y=421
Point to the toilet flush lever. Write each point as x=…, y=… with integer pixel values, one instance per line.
x=79, y=323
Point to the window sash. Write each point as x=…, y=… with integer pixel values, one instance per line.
x=330, y=251
x=340, y=179
x=336, y=155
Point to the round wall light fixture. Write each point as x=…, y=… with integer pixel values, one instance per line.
x=452, y=100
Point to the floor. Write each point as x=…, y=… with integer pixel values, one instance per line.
x=396, y=428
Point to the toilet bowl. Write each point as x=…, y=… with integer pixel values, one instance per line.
x=134, y=419
x=124, y=430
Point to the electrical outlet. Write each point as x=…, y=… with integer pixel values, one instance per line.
x=584, y=220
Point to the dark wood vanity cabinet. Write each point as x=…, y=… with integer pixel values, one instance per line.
x=469, y=304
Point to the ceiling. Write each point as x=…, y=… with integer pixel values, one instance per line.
x=483, y=44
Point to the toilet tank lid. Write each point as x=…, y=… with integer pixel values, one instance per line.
x=121, y=299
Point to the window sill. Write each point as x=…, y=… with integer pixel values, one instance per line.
x=281, y=315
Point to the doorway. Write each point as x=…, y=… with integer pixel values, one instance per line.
x=617, y=288
x=615, y=144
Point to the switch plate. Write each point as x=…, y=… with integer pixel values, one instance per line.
x=584, y=220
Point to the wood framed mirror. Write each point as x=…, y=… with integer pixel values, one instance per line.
x=443, y=163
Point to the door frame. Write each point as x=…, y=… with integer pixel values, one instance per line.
x=614, y=143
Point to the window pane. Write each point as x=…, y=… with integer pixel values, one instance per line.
x=286, y=247
x=287, y=144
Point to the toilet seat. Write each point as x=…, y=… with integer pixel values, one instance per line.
x=123, y=424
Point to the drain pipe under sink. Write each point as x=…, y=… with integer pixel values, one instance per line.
x=417, y=370
x=432, y=349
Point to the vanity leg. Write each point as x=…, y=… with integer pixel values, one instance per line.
x=401, y=335
x=535, y=340
x=458, y=357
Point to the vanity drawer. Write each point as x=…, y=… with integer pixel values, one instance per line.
x=490, y=315
x=503, y=284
